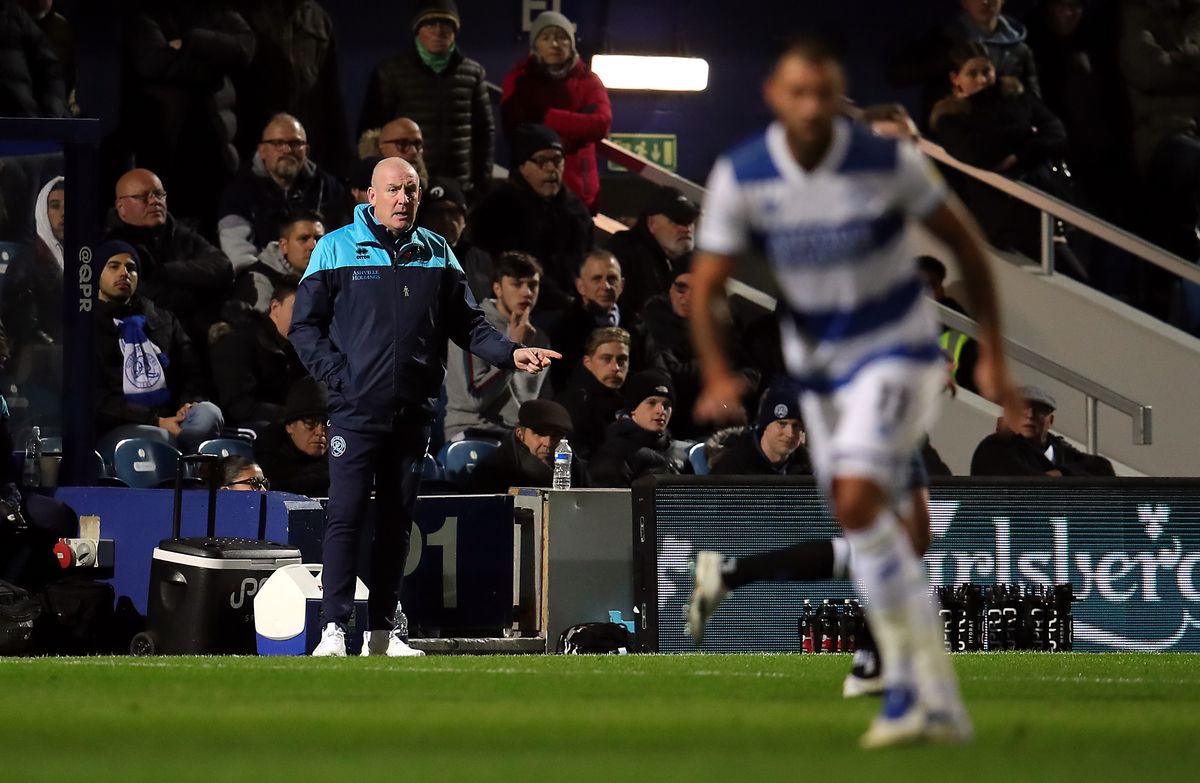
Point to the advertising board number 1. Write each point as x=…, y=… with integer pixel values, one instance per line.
x=446, y=539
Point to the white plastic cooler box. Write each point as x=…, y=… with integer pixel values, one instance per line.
x=287, y=612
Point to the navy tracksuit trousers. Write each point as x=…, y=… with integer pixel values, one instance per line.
x=390, y=463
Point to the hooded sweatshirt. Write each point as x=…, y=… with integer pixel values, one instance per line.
x=41, y=216
x=479, y=394
x=1006, y=46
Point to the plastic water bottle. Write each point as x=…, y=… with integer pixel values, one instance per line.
x=32, y=475
x=562, y=465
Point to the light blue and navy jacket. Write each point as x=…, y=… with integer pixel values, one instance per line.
x=372, y=316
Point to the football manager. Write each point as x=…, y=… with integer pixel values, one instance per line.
x=371, y=319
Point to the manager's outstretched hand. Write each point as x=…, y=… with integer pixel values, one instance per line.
x=534, y=360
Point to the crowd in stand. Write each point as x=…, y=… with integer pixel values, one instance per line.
x=234, y=162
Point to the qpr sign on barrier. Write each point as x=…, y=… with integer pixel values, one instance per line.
x=1130, y=548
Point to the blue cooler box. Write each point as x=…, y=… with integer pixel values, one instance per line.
x=287, y=612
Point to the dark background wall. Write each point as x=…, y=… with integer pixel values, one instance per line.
x=738, y=41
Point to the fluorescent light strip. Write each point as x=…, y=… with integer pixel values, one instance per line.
x=637, y=72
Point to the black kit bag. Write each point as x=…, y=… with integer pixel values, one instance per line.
x=78, y=618
x=595, y=639
x=18, y=610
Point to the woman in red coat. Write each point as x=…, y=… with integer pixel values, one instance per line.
x=553, y=87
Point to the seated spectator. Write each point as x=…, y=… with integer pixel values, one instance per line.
x=980, y=22
x=482, y=400
x=31, y=75
x=593, y=396
x=177, y=268
x=401, y=138
x=444, y=211
x=961, y=349
x=599, y=284
x=533, y=212
x=649, y=252
x=1024, y=446
x=669, y=341
x=293, y=451
x=148, y=381
x=360, y=178
x=33, y=292
x=525, y=457
x=254, y=365
x=282, y=260
x=440, y=88
x=279, y=179
x=773, y=445
x=554, y=87
x=1077, y=69
x=294, y=70
x=1160, y=60
x=638, y=444
x=999, y=125
x=244, y=475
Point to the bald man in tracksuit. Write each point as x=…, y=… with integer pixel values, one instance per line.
x=371, y=319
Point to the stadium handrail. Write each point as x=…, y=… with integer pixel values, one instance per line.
x=1094, y=393
x=1051, y=207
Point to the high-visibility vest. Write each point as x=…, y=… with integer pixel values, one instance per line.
x=953, y=342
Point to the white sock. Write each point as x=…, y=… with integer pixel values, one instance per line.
x=901, y=612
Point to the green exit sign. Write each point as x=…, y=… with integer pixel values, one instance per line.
x=660, y=148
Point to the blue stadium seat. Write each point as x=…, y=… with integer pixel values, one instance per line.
x=225, y=447
x=144, y=463
x=698, y=459
x=459, y=458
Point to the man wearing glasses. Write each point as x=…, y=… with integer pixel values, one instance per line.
x=402, y=138
x=179, y=269
x=280, y=179
x=293, y=450
x=534, y=213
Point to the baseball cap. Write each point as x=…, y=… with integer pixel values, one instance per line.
x=445, y=190
x=671, y=202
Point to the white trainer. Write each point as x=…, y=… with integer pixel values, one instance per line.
x=901, y=721
x=332, y=644
x=707, y=595
x=865, y=679
x=387, y=643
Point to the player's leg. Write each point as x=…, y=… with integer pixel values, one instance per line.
x=879, y=419
x=397, y=482
x=717, y=575
x=865, y=677
x=351, y=469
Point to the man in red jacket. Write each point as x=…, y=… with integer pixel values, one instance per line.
x=553, y=87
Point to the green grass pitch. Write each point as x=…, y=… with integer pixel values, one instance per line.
x=581, y=718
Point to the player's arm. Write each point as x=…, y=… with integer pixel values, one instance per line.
x=722, y=389
x=722, y=238
x=950, y=222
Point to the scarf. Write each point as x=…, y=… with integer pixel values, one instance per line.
x=436, y=62
x=142, y=376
